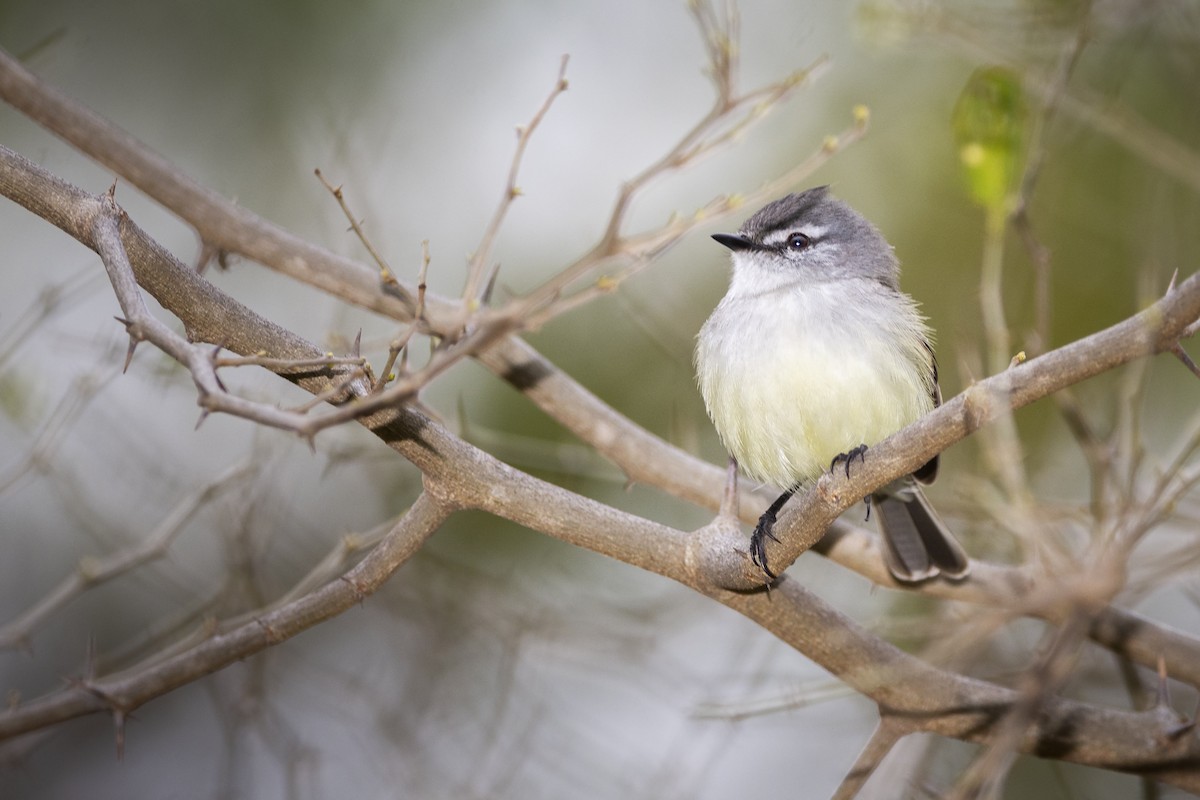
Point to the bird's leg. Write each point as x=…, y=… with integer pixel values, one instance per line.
x=763, y=530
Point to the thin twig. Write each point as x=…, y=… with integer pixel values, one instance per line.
x=639, y=250
x=51, y=299
x=887, y=735
x=1039, y=254
x=95, y=571
x=479, y=266
x=387, y=278
x=399, y=346
x=141, y=325
x=82, y=390
x=984, y=779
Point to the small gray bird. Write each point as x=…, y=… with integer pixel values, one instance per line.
x=813, y=355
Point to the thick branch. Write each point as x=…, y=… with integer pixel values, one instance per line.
x=943, y=702
x=256, y=238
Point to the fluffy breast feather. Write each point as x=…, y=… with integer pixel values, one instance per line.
x=796, y=375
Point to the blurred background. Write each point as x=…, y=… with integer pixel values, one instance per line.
x=499, y=663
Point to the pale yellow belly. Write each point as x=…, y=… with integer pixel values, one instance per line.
x=787, y=397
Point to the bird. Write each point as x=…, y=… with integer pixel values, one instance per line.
x=815, y=354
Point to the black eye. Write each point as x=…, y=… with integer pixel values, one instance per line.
x=799, y=241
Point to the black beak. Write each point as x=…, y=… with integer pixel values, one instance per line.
x=733, y=241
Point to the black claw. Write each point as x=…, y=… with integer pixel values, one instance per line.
x=765, y=530
x=847, y=458
x=758, y=543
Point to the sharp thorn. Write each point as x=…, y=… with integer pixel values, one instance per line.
x=133, y=343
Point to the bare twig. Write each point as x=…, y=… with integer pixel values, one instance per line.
x=399, y=346
x=1039, y=254
x=479, y=271
x=987, y=773
x=95, y=571
x=143, y=326
x=219, y=223
x=887, y=735
x=335, y=562
x=387, y=278
x=803, y=697
x=637, y=250
x=51, y=299
x=82, y=390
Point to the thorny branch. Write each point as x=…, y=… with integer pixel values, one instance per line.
x=387, y=277
x=458, y=476
x=143, y=326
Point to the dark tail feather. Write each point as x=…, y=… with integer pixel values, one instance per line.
x=917, y=545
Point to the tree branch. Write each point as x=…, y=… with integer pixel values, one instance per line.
x=124, y=692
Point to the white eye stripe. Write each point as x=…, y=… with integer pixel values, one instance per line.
x=777, y=237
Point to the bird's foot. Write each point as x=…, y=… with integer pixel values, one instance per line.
x=758, y=543
x=847, y=458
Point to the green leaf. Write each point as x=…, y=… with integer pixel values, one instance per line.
x=990, y=122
